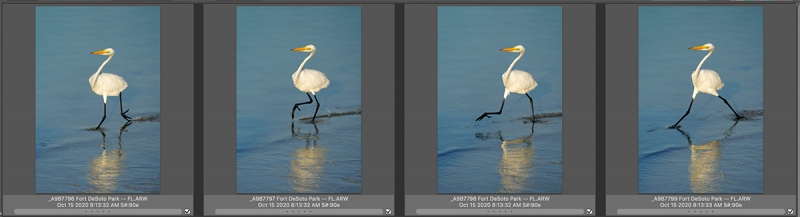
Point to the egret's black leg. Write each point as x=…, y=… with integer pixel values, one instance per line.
x=486, y=114
x=302, y=103
x=120, y=109
x=729, y=106
x=684, y=115
x=104, y=117
x=315, y=111
x=533, y=116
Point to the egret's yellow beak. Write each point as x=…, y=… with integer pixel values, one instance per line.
x=509, y=49
x=300, y=49
x=701, y=47
x=100, y=52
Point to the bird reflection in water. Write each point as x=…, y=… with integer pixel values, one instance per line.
x=704, y=172
x=107, y=167
x=516, y=163
x=308, y=161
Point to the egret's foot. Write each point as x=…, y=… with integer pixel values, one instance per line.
x=295, y=108
x=674, y=127
x=739, y=117
x=125, y=116
x=482, y=116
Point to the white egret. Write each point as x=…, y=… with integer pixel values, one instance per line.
x=107, y=84
x=308, y=80
x=515, y=81
x=705, y=81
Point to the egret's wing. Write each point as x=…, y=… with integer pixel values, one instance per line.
x=707, y=78
x=311, y=80
x=109, y=83
x=519, y=81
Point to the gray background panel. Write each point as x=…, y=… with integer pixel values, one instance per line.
x=177, y=118
x=177, y=98
x=219, y=66
x=621, y=99
x=377, y=42
x=579, y=104
x=1, y=119
x=19, y=129
x=420, y=100
x=780, y=98
x=579, y=116
x=377, y=95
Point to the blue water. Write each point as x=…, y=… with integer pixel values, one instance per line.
x=711, y=153
x=118, y=158
x=501, y=154
x=276, y=154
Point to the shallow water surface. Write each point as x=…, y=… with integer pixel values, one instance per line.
x=711, y=152
x=501, y=154
x=276, y=154
x=71, y=157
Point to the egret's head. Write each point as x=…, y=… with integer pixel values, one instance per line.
x=307, y=48
x=705, y=47
x=104, y=52
x=515, y=49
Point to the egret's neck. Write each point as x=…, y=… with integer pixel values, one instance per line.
x=515, y=61
x=704, y=60
x=304, y=61
x=101, y=67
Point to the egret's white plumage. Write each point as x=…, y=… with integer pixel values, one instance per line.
x=518, y=81
x=515, y=81
x=705, y=81
x=308, y=80
x=107, y=84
